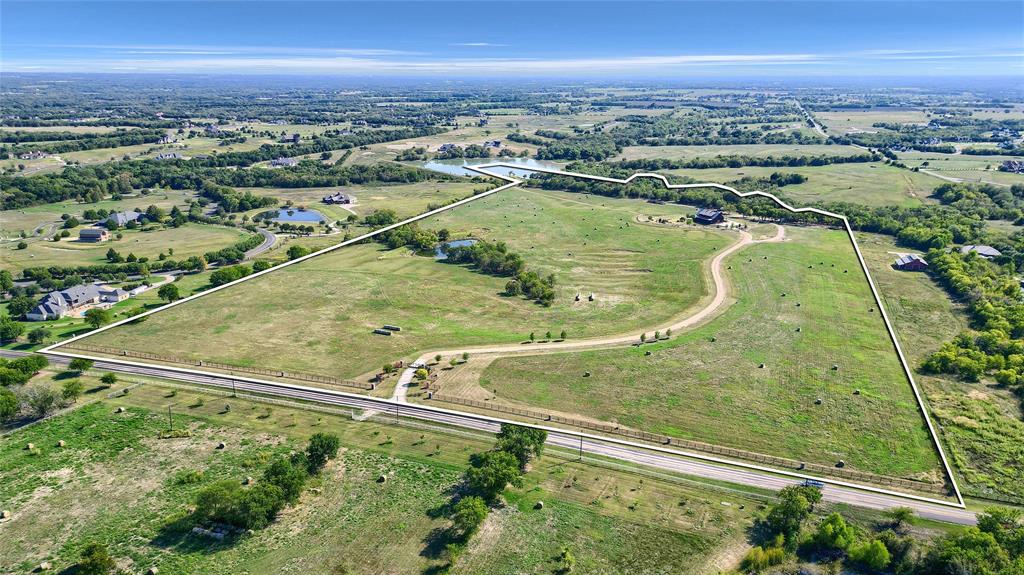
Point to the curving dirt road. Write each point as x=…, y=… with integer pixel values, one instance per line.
x=719, y=301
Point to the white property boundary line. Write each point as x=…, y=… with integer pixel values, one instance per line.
x=513, y=182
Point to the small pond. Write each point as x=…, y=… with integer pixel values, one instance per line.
x=441, y=252
x=457, y=167
x=297, y=215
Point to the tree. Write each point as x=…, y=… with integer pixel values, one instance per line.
x=41, y=400
x=290, y=476
x=834, y=533
x=97, y=316
x=643, y=337
x=169, y=292
x=970, y=551
x=468, y=514
x=71, y=390
x=22, y=245
x=900, y=516
x=6, y=281
x=80, y=364
x=490, y=472
x=563, y=334
x=872, y=554
x=322, y=447
x=20, y=305
x=421, y=374
x=10, y=329
x=39, y=335
x=787, y=516
x=108, y=379
x=260, y=265
x=524, y=443
x=8, y=404
x=296, y=252
x=95, y=560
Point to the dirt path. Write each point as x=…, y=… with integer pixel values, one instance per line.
x=718, y=302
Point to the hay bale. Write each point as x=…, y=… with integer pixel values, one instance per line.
x=152, y=571
x=761, y=366
x=840, y=464
x=247, y=481
x=5, y=515
x=817, y=401
x=221, y=445
x=119, y=410
x=586, y=374
x=647, y=353
x=835, y=367
x=382, y=479
x=44, y=566
x=30, y=446
x=539, y=505
x=61, y=443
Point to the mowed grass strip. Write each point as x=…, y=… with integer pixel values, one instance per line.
x=707, y=384
x=317, y=316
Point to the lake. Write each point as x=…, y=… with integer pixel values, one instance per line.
x=457, y=167
x=297, y=215
x=441, y=252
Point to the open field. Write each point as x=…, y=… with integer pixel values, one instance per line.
x=842, y=121
x=31, y=218
x=405, y=199
x=707, y=385
x=757, y=150
x=870, y=183
x=189, y=240
x=317, y=316
x=980, y=422
x=607, y=518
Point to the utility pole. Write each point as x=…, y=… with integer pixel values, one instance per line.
x=581, y=447
x=233, y=392
x=170, y=418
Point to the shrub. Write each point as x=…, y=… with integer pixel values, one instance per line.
x=872, y=554
x=760, y=558
x=468, y=514
x=322, y=447
x=8, y=404
x=71, y=390
x=95, y=560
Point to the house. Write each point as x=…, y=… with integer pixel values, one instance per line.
x=284, y=162
x=121, y=219
x=492, y=144
x=293, y=139
x=987, y=252
x=165, y=140
x=708, y=216
x=337, y=198
x=910, y=263
x=169, y=156
x=93, y=235
x=211, y=130
x=446, y=147
x=1012, y=166
x=58, y=304
x=33, y=155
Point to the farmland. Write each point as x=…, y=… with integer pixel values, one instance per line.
x=317, y=316
x=803, y=310
x=110, y=456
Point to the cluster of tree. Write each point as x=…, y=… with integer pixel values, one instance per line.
x=994, y=547
x=996, y=306
x=412, y=154
x=234, y=253
x=91, y=142
x=38, y=400
x=470, y=151
x=229, y=274
x=19, y=370
x=737, y=161
x=1015, y=151
x=230, y=200
x=494, y=258
x=587, y=147
x=381, y=218
x=488, y=475
x=533, y=286
x=984, y=201
x=228, y=502
x=410, y=235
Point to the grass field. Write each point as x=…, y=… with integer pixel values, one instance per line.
x=405, y=199
x=29, y=219
x=872, y=184
x=317, y=316
x=842, y=121
x=980, y=422
x=114, y=482
x=757, y=150
x=707, y=384
x=189, y=240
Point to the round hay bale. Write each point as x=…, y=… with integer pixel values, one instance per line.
x=61, y=443
x=247, y=481
x=221, y=445
x=798, y=329
x=835, y=367
x=713, y=339
x=382, y=479
x=761, y=366
x=856, y=392
x=586, y=374
x=5, y=514
x=119, y=410
x=817, y=401
x=152, y=571
x=647, y=353
x=539, y=505
x=45, y=566
x=840, y=464
x=30, y=446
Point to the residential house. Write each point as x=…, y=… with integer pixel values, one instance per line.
x=708, y=216
x=910, y=263
x=1013, y=166
x=169, y=156
x=212, y=130
x=122, y=218
x=337, y=198
x=35, y=155
x=987, y=252
x=284, y=162
x=58, y=304
x=292, y=139
x=492, y=144
x=446, y=147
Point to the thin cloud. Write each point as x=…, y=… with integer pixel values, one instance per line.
x=479, y=44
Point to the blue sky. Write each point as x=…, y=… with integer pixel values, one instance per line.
x=669, y=40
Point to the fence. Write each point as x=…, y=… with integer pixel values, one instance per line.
x=729, y=452
x=306, y=377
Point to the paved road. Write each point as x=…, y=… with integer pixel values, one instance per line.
x=269, y=239
x=652, y=456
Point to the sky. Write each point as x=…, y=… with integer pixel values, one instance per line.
x=603, y=39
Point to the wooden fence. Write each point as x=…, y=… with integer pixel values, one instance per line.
x=305, y=377
x=728, y=452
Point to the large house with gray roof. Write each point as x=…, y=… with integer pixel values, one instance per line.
x=122, y=218
x=58, y=304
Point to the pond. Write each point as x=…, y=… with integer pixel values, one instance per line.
x=298, y=215
x=457, y=167
x=441, y=252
